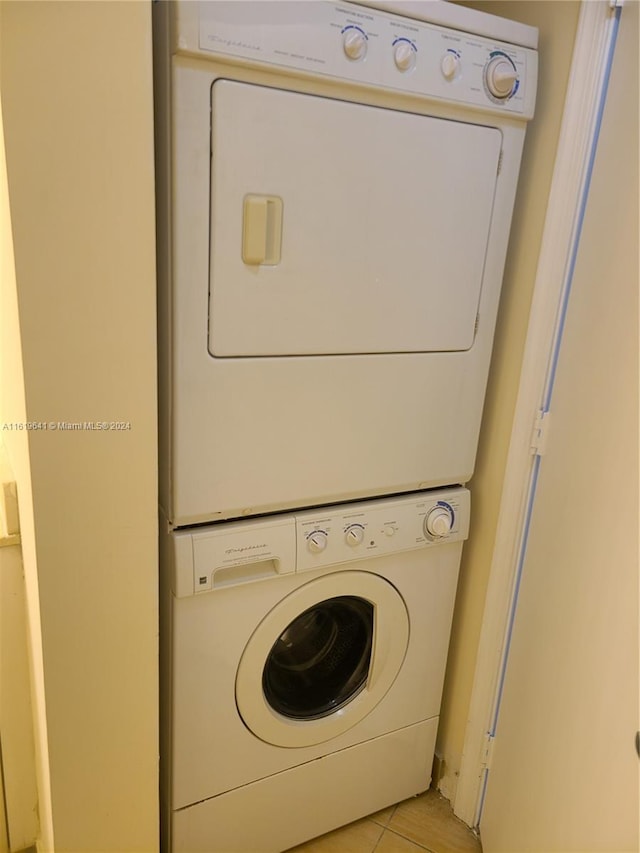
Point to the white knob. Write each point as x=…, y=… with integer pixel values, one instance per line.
x=438, y=522
x=317, y=542
x=449, y=65
x=354, y=44
x=500, y=76
x=389, y=530
x=404, y=56
x=354, y=536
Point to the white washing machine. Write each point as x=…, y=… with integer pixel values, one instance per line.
x=304, y=656
x=335, y=188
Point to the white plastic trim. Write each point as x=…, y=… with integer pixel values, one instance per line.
x=579, y=125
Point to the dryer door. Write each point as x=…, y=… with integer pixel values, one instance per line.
x=341, y=228
x=322, y=659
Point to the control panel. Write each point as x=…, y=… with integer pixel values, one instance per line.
x=238, y=552
x=372, y=528
x=370, y=47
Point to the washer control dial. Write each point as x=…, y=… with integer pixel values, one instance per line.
x=404, y=55
x=317, y=541
x=438, y=522
x=450, y=65
x=354, y=535
x=501, y=76
x=354, y=43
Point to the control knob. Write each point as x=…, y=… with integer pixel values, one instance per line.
x=404, y=56
x=450, y=65
x=354, y=43
x=317, y=541
x=500, y=76
x=354, y=535
x=438, y=522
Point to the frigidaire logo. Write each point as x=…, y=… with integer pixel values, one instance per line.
x=245, y=548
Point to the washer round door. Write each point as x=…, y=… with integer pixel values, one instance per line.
x=322, y=659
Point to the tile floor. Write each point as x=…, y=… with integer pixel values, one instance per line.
x=424, y=823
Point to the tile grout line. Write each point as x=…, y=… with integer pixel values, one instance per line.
x=400, y=835
x=375, y=846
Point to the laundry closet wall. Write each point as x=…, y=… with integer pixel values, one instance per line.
x=14, y=452
x=78, y=130
x=557, y=23
x=76, y=91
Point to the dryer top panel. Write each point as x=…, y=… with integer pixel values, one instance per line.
x=369, y=47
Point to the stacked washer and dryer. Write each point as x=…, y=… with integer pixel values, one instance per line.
x=335, y=188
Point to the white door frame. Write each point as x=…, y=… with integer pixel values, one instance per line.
x=586, y=91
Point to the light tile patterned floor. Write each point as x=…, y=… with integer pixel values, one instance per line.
x=413, y=826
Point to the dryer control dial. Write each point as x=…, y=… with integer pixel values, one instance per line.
x=317, y=541
x=438, y=522
x=354, y=43
x=501, y=77
x=450, y=65
x=404, y=55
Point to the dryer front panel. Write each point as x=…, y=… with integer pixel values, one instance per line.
x=369, y=388
x=341, y=228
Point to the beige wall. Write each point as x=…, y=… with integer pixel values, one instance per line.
x=16, y=445
x=557, y=24
x=77, y=107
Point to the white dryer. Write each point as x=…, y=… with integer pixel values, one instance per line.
x=335, y=189
x=305, y=657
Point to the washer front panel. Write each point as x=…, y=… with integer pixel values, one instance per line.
x=225, y=734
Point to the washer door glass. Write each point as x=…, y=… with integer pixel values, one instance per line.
x=321, y=660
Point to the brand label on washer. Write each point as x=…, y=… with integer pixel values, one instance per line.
x=268, y=547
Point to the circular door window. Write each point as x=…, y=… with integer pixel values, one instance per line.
x=322, y=659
